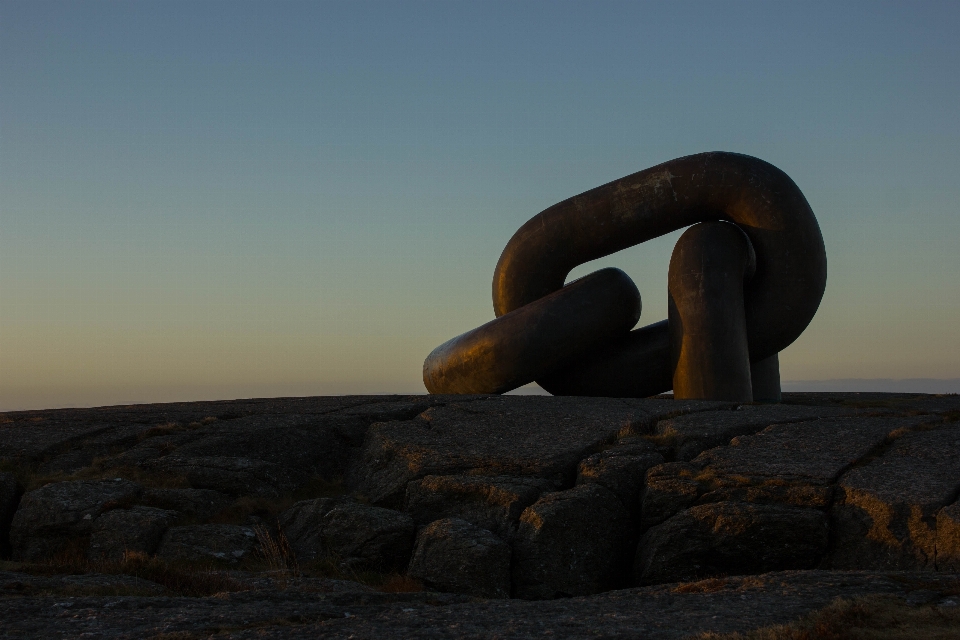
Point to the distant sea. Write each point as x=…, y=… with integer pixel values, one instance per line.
x=888, y=385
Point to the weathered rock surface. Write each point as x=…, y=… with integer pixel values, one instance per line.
x=493, y=503
x=232, y=476
x=63, y=512
x=731, y=538
x=878, y=402
x=454, y=556
x=885, y=513
x=668, y=489
x=201, y=504
x=794, y=464
x=570, y=543
x=366, y=536
x=22, y=585
x=353, y=534
x=10, y=492
x=302, y=524
x=948, y=538
x=300, y=445
x=59, y=439
x=688, y=435
x=665, y=612
x=534, y=436
x=137, y=529
x=621, y=470
x=205, y=543
x=547, y=487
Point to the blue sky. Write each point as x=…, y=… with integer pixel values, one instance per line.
x=231, y=199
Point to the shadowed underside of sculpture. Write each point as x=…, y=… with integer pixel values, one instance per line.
x=745, y=280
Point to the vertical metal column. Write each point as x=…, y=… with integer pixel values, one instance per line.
x=708, y=332
x=765, y=376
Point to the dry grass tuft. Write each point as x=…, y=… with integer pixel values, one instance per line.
x=175, y=427
x=279, y=557
x=876, y=617
x=710, y=585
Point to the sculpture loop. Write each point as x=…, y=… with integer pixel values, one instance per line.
x=739, y=293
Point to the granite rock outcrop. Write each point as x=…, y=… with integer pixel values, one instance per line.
x=491, y=497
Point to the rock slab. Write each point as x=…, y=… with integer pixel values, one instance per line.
x=208, y=543
x=731, y=538
x=570, y=543
x=885, y=514
x=61, y=513
x=493, y=503
x=454, y=556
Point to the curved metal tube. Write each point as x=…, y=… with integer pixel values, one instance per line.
x=535, y=339
x=781, y=298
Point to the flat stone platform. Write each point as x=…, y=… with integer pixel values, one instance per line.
x=445, y=516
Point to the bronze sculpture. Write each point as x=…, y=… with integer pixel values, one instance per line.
x=745, y=281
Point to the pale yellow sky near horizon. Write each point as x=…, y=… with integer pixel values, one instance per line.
x=220, y=200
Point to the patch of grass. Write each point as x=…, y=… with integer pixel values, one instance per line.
x=710, y=585
x=876, y=617
x=669, y=439
x=169, y=428
x=944, y=584
x=279, y=556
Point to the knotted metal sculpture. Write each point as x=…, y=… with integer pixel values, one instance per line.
x=744, y=282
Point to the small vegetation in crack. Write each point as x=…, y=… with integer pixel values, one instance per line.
x=875, y=617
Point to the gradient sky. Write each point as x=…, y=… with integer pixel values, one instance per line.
x=207, y=200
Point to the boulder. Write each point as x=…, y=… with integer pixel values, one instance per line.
x=201, y=504
x=137, y=529
x=570, y=543
x=61, y=512
x=454, y=556
x=530, y=436
x=690, y=434
x=731, y=538
x=10, y=492
x=204, y=543
x=354, y=534
x=360, y=535
x=948, y=538
x=885, y=512
x=301, y=525
x=493, y=503
x=232, y=476
x=621, y=470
